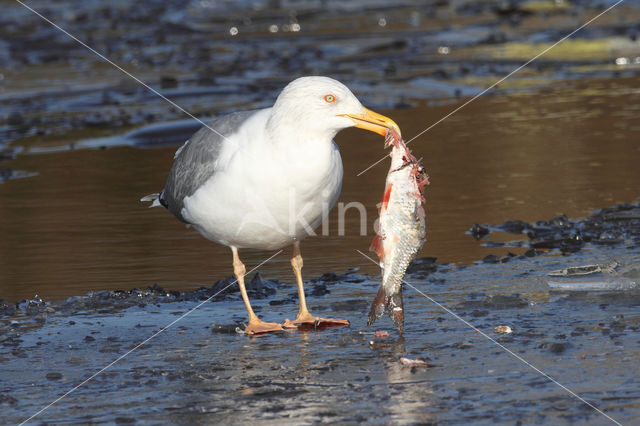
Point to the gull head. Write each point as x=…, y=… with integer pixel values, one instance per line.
x=319, y=107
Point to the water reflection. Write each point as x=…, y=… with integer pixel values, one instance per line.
x=78, y=225
x=408, y=397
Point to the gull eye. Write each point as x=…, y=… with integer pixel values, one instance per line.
x=330, y=99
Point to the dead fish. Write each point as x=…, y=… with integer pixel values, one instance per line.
x=401, y=228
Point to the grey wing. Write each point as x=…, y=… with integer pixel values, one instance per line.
x=195, y=161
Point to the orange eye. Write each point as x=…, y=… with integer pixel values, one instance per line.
x=330, y=98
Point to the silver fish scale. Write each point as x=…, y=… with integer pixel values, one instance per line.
x=404, y=220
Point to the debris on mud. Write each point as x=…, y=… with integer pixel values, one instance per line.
x=615, y=225
x=380, y=334
x=610, y=276
x=419, y=363
x=502, y=329
x=7, y=308
x=106, y=302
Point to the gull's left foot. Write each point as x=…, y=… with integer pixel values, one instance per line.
x=310, y=322
x=258, y=327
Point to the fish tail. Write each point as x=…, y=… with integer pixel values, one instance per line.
x=378, y=306
x=391, y=303
x=396, y=309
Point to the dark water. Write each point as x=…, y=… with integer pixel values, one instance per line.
x=561, y=136
x=78, y=226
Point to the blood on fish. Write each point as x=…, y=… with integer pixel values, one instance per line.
x=387, y=195
x=376, y=245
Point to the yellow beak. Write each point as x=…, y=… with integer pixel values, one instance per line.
x=373, y=121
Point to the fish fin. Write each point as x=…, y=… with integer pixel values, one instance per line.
x=393, y=304
x=377, y=307
x=387, y=196
x=396, y=309
x=376, y=245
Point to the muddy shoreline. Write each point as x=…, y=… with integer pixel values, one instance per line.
x=201, y=369
x=242, y=55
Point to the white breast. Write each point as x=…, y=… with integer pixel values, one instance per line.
x=267, y=196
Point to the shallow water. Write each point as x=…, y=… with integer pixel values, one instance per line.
x=78, y=226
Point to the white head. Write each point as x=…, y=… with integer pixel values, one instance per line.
x=319, y=107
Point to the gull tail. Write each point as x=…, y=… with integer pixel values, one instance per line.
x=391, y=303
x=155, y=198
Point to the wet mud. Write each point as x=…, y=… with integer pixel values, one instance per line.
x=610, y=226
x=73, y=129
x=203, y=369
x=242, y=53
